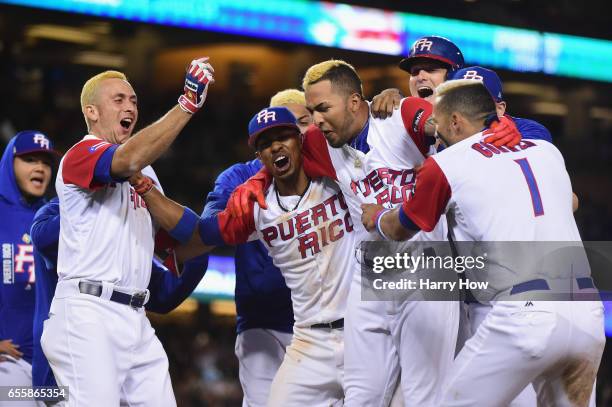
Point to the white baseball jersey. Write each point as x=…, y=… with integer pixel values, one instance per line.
x=106, y=232
x=378, y=168
x=384, y=174
x=312, y=245
x=498, y=194
x=504, y=195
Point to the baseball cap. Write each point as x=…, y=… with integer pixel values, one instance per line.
x=488, y=77
x=268, y=118
x=436, y=48
x=32, y=141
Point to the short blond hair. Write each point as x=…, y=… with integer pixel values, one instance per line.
x=340, y=73
x=88, y=93
x=288, y=96
x=447, y=86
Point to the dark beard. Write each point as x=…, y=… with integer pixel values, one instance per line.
x=343, y=134
x=444, y=139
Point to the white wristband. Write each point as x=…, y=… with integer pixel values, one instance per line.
x=378, y=219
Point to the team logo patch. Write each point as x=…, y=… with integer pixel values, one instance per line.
x=473, y=75
x=26, y=238
x=97, y=146
x=265, y=115
x=422, y=45
x=417, y=120
x=41, y=140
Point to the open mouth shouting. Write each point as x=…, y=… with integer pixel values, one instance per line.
x=38, y=181
x=425, y=91
x=126, y=122
x=281, y=163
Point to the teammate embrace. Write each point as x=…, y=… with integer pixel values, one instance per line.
x=374, y=163
x=358, y=161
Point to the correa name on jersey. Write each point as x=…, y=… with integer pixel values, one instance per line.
x=489, y=150
x=315, y=227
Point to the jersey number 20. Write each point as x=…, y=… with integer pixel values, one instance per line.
x=536, y=199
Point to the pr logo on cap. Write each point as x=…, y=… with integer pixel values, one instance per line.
x=277, y=116
x=423, y=44
x=42, y=140
x=32, y=141
x=266, y=115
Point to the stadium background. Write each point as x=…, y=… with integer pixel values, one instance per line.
x=46, y=55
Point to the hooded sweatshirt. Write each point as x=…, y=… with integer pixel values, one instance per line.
x=17, y=285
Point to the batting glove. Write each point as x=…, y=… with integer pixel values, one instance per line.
x=199, y=76
x=503, y=133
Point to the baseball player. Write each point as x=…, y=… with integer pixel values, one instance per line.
x=264, y=321
x=97, y=339
x=428, y=64
x=529, y=129
x=390, y=147
x=308, y=232
x=559, y=350
x=167, y=290
x=25, y=173
x=431, y=61
x=373, y=161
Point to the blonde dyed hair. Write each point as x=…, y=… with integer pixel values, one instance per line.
x=88, y=93
x=447, y=86
x=288, y=96
x=338, y=72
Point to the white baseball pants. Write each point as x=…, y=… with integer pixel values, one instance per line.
x=312, y=371
x=17, y=373
x=105, y=352
x=556, y=346
x=260, y=353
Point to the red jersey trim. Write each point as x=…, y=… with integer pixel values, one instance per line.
x=415, y=112
x=430, y=196
x=80, y=163
x=316, y=159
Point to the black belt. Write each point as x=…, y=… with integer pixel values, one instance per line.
x=337, y=324
x=542, y=285
x=136, y=300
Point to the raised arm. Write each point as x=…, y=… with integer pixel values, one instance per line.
x=148, y=144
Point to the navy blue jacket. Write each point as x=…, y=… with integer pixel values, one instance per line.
x=17, y=286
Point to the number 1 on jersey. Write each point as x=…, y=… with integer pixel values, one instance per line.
x=536, y=199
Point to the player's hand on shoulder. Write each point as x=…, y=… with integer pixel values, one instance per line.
x=385, y=102
x=197, y=80
x=503, y=133
x=7, y=347
x=369, y=214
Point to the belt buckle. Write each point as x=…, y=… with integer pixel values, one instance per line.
x=137, y=300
